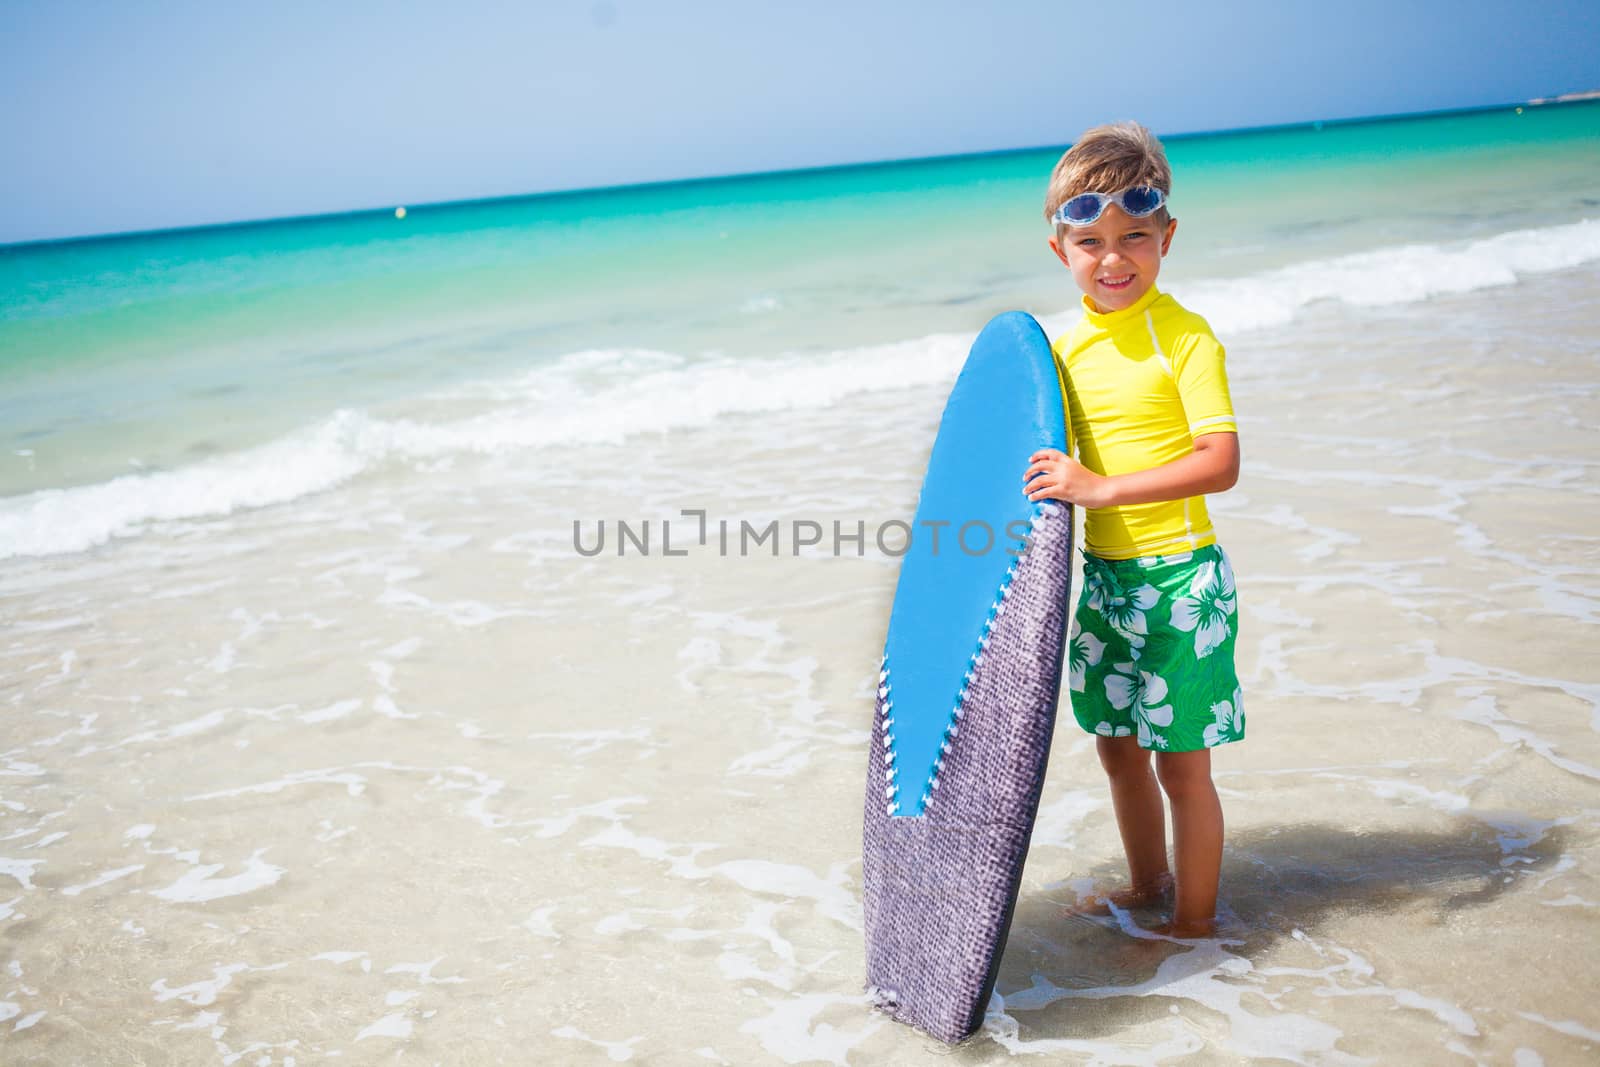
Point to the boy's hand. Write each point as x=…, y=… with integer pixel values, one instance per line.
x=1054, y=475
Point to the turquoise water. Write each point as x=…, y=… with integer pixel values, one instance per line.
x=153, y=351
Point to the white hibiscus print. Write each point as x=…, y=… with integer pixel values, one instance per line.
x=1207, y=609
x=1084, y=652
x=1230, y=720
x=1125, y=613
x=1105, y=729
x=1144, y=692
x=1122, y=608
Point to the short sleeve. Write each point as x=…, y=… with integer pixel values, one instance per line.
x=1200, y=372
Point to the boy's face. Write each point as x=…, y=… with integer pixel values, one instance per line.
x=1115, y=259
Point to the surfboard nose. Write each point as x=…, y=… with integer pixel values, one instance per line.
x=1016, y=328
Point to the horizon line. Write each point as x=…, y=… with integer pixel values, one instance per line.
x=1587, y=96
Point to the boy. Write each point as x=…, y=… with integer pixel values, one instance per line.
x=1151, y=656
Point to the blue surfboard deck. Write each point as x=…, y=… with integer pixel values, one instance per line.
x=967, y=691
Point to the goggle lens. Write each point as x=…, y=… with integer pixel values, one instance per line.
x=1085, y=208
x=1141, y=200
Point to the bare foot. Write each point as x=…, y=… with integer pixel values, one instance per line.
x=1187, y=929
x=1129, y=896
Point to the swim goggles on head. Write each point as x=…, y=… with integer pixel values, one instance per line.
x=1137, y=202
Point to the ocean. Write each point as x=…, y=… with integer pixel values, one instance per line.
x=327, y=738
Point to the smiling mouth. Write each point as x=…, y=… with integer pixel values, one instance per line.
x=1117, y=283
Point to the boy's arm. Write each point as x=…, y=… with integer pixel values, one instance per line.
x=1212, y=467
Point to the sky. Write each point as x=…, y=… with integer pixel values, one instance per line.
x=122, y=117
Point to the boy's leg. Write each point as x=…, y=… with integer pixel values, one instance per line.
x=1136, y=799
x=1197, y=839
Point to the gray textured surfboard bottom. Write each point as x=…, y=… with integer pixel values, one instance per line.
x=939, y=889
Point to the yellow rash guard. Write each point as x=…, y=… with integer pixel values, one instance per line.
x=1142, y=384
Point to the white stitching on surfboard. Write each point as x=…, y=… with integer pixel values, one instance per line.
x=1039, y=533
x=889, y=769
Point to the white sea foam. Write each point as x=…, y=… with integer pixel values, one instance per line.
x=182, y=729
x=339, y=957
x=616, y=1051
x=1404, y=274
x=202, y=992
x=1565, y=1026
x=587, y=398
x=337, y=710
x=539, y=925
x=388, y=1026
x=424, y=972
x=20, y=870
x=832, y=896
x=199, y=885
x=789, y=1033
x=604, y=397
x=1207, y=975
x=580, y=743
x=760, y=925
x=108, y=876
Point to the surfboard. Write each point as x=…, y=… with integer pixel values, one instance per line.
x=967, y=692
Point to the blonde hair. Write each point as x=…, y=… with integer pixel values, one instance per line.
x=1108, y=159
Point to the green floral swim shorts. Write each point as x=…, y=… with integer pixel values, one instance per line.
x=1152, y=651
